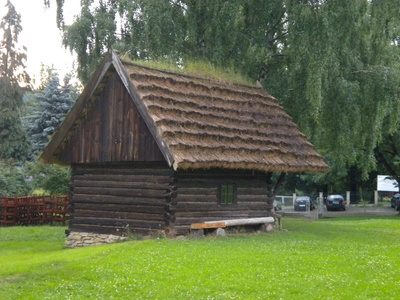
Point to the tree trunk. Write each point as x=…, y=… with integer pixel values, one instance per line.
x=272, y=189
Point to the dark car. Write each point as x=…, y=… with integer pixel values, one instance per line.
x=395, y=201
x=302, y=202
x=335, y=202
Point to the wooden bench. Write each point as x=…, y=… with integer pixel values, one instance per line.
x=198, y=228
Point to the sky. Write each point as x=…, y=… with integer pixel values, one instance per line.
x=41, y=36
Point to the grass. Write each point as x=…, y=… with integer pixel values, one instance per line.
x=198, y=69
x=335, y=258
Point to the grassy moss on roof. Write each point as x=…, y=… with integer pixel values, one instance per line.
x=196, y=69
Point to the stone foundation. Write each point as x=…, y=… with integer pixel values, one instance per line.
x=83, y=239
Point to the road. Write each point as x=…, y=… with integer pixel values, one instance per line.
x=352, y=210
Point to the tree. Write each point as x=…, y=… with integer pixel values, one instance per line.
x=232, y=34
x=92, y=34
x=388, y=155
x=12, y=58
x=54, y=102
x=12, y=180
x=13, y=140
x=342, y=77
x=333, y=65
x=52, y=179
x=14, y=143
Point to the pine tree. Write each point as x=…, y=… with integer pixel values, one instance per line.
x=55, y=100
x=13, y=141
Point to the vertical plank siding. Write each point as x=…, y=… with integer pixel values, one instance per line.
x=121, y=198
x=197, y=197
x=111, y=130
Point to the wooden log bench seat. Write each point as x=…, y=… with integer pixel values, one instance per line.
x=197, y=229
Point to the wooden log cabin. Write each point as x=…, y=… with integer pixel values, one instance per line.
x=155, y=151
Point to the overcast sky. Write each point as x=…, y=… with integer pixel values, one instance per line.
x=40, y=34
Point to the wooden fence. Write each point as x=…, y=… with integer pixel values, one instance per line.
x=33, y=210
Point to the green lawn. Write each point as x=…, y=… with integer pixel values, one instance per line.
x=335, y=258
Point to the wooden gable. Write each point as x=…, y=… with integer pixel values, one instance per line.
x=110, y=129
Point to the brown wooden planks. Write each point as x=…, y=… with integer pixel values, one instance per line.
x=111, y=130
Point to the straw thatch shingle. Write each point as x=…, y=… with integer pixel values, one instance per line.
x=203, y=123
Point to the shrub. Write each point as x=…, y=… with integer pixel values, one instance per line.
x=12, y=179
x=52, y=179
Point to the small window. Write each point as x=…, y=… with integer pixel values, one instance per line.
x=227, y=194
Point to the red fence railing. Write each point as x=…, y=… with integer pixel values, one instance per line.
x=33, y=210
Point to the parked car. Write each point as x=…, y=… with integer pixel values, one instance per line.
x=335, y=202
x=301, y=203
x=394, y=201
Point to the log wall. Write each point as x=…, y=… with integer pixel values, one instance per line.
x=121, y=198
x=197, y=200
x=147, y=198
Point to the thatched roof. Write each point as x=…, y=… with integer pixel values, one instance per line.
x=203, y=123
